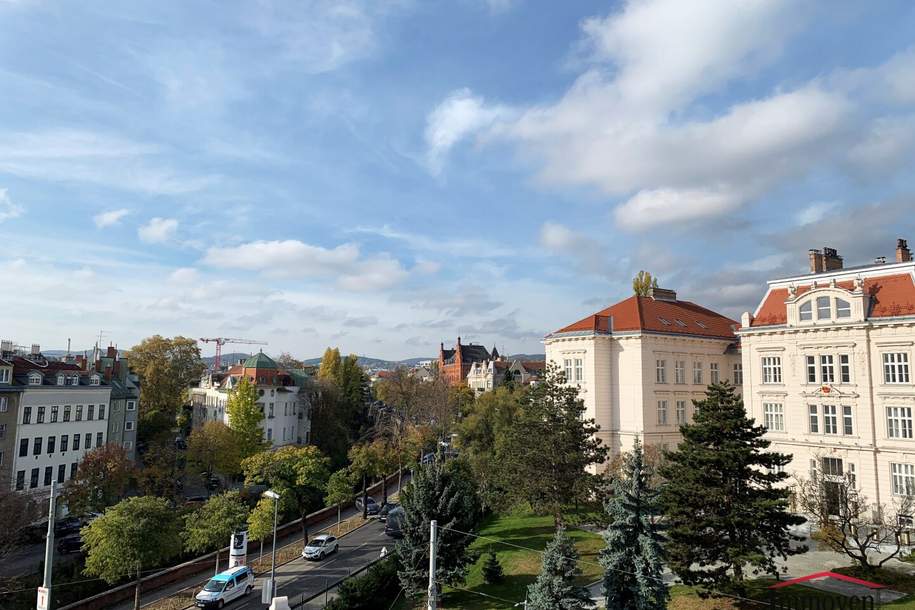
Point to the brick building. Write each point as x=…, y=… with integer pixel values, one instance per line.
x=455, y=364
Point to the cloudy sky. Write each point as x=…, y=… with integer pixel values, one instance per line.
x=384, y=175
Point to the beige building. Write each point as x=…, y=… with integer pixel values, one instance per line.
x=827, y=368
x=490, y=374
x=640, y=363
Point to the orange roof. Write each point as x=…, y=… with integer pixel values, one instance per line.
x=659, y=316
x=890, y=296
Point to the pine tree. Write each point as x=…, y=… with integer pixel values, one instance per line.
x=555, y=587
x=492, y=569
x=724, y=504
x=632, y=559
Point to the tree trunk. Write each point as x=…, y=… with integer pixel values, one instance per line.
x=384, y=488
x=365, y=504
x=136, y=592
x=305, y=528
x=217, y=562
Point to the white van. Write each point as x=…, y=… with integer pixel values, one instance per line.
x=226, y=586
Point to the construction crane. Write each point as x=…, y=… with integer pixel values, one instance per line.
x=220, y=341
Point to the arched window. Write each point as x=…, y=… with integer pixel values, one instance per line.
x=843, y=308
x=34, y=378
x=824, y=309
x=806, y=311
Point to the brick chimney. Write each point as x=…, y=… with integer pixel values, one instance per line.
x=903, y=254
x=816, y=261
x=662, y=294
x=831, y=259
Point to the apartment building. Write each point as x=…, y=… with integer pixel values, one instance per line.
x=123, y=409
x=9, y=410
x=827, y=359
x=490, y=374
x=641, y=362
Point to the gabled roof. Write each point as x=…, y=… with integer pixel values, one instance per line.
x=474, y=353
x=646, y=314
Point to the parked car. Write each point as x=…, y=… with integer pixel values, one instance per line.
x=372, y=506
x=386, y=508
x=226, y=586
x=70, y=525
x=394, y=522
x=70, y=544
x=320, y=547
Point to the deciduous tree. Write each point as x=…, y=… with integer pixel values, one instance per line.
x=261, y=521
x=101, y=480
x=213, y=448
x=555, y=587
x=162, y=471
x=210, y=526
x=339, y=491
x=245, y=417
x=17, y=512
x=329, y=368
x=287, y=361
x=643, y=282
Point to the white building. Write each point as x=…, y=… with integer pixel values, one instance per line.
x=827, y=359
x=490, y=374
x=287, y=413
x=640, y=363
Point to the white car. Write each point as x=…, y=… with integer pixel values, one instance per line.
x=226, y=586
x=320, y=547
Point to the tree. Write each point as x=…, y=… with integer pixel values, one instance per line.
x=549, y=447
x=330, y=365
x=363, y=466
x=102, y=479
x=287, y=361
x=213, y=448
x=245, y=417
x=339, y=491
x=724, y=504
x=492, y=569
x=555, y=587
x=211, y=525
x=17, y=512
x=402, y=394
x=443, y=491
x=643, y=282
x=136, y=533
x=632, y=559
x=166, y=368
x=261, y=521
x=162, y=472
x=298, y=474
x=848, y=522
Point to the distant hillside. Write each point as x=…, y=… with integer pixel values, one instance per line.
x=377, y=363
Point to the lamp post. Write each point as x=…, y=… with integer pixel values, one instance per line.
x=276, y=505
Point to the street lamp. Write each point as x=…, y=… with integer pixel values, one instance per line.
x=276, y=505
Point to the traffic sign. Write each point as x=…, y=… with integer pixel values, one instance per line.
x=42, y=599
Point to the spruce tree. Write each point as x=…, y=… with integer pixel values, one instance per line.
x=492, y=569
x=555, y=587
x=632, y=559
x=725, y=506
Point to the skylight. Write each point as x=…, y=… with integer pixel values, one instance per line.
x=700, y=324
x=680, y=322
x=664, y=321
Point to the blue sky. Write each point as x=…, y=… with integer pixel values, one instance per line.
x=383, y=176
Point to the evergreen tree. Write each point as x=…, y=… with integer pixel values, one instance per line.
x=555, y=587
x=245, y=418
x=725, y=507
x=443, y=491
x=632, y=558
x=492, y=569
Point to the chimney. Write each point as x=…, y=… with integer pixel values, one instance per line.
x=816, y=261
x=831, y=259
x=662, y=294
x=459, y=341
x=880, y=260
x=903, y=254
x=112, y=352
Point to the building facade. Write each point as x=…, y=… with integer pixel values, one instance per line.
x=640, y=363
x=123, y=417
x=286, y=408
x=9, y=412
x=490, y=374
x=827, y=361
x=454, y=364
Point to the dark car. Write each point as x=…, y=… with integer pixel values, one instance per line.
x=70, y=525
x=70, y=544
x=372, y=506
x=386, y=508
x=394, y=523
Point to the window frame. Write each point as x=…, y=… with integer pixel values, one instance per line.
x=772, y=370
x=895, y=368
x=813, y=419
x=774, y=416
x=805, y=311
x=663, y=406
x=906, y=476
x=898, y=420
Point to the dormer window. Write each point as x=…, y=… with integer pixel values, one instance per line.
x=843, y=309
x=680, y=322
x=35, y=378
x=805, y=311
x=664, y=321
x=60, y=380
x=94, y=380
x=824, y=311
x=5, y=374
x=74, y=380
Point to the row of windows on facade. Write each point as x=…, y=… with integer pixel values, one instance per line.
x=298, y=438
x=838, y=420
x=54, y=411
x=826, y=309
x=36, y=378
x=663, y=409
x=48, y=476
x=51, y=445
x=833, y=470
x=698, y=372
x=895, y=368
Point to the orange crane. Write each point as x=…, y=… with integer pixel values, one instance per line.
x=220, y=341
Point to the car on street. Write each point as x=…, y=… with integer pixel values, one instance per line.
x=372, y=506
x=72, y=543
x=320, y=547
x=386, y=508
x=226, y=586
x=394, y=523
x=70, y=525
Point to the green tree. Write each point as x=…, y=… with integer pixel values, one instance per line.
x=245, y=417
x=211, y=525
x=632, y=559
x=261, y=521
x=102, y=479
x=549, y=446
x=492, y=569
x=213, y=448
x=724, y=503
x=363, y=466
x=642, y=283
x=330, y=365
x=136, y=533
x=17, y=512
x=298, y=474
x=555, y=587
x=443, y=491
x=166, y=368
x=162, y=470
x=339, y=491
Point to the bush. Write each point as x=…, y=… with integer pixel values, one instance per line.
x=492, y=570
x=367, y=591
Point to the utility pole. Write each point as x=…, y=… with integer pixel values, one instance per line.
x=44, y=592
x=433, y=546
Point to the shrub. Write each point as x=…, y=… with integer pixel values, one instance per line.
x=365, y=592
x=492, y=570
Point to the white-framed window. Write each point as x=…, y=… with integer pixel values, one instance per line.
x=95, y=380
x=827, y=368
x=61, y=380
x=661, y=371
x=697, y=373
x=131, y=405
x=903, y=479
x=832, y=469
x=772, y=369
x=738, y=373
x=35, y=378
x=578, y=369
x=714, y=373
x=4, y=404
x=899, y=422
x=805, y=311
x=129, y=425
x=824, y=310
x=813, y=419
x=128, y=445
x=681, y=412
x=843, y=308
x=848, y=427
x=895, y=367
x=830, y=419
x=74, y=380
x=680, y=371
x=845, y=368
x=811, y=368
x=5, y=375
x=774, y=416
x=269, y=434
x=662, y=412
x=567, y=369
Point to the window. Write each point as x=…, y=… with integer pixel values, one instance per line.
x=664, y=321
x=845, y=368
x=101, y=412
x=681, y=412
x=64, y=442
x=824, y=311
x=827, y=369
x=896, y=367
x=714, y=373
x=680, y=322
x=772, y=369
x=680, y=371
x=99, y=439
x=128, y=445
x=2, y=431
x=832, y=468
x=60, y=380
x=4, y=404
x=738, y=373
x=697, y=373
x=578, y=369
x=843, y=308
x=66, y=412
x=90, y=412
x=76, y=438
x=269, y=434
x=813, y=417
x=23, y=447
x=26, y=415
x=805, y=311
x=40, y=418
x=94, y=380
x=79, y=412
x=54, y=410
x=52, y=441
x=131, y=405
x=270, y=415
x=36, y=446
x=847, y=424
x=660, y=371
x=662, y=412
x=811, y=369
x=567, y=367
x=48, y=474
x=4, y=375
x=20, y=480
x=73, y=467
x=774, y=414
x=830, y=419
x=61, y=473
x=34, y=378
x=74, y=380
x=88, y=443
x=33, y=479
x=899, y=422
x=903, y=479
x=128, y=425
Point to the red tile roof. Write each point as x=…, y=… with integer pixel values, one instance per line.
x=892, y=295
x=658, y=316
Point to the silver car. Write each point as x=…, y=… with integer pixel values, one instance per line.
x=320, y=547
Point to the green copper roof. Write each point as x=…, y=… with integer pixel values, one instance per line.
x=260, y=361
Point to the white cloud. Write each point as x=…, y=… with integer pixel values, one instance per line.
x=588, y=254
x=468, y=247
x=8, y=209
x=457, y=117
x=158, y=230
x=110, y=218
x=814, y=213
x=184, y=276
x=663, y=206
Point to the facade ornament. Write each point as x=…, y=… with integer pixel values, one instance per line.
x=832, y=283
x=792, y=290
